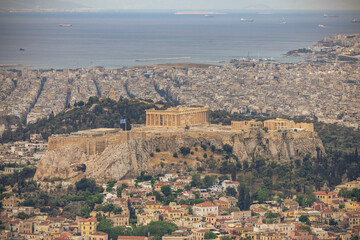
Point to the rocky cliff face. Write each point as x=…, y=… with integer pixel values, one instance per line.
x=130, y=158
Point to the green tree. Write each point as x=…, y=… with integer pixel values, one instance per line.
x=166, y=190
x=262, y=195
x=228, y=148
x=304, y=219
x=230, y=191
x=196, y=180
x=244, y=201
x=208, y=181
x=87, y=184
x=105, y=225
x=332, y=222
x=210, y=235
x=304, y=227
x=184, y=151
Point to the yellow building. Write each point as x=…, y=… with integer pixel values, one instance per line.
x=177, y=116
x=326, y=197
x=352, y=184
x=88, y=226
x=192, y=218
x=352, y=206
x=211, y=218
x=354, y=219
x=153, y=205
x=273, y=236
x=221, y=204
x=175, y=214
x=174, y=206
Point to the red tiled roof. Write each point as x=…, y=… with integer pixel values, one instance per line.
x=319, y=193
x=92, y=219
x=324, y=193
x=205, y=204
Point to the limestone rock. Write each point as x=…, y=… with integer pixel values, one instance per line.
x=129, y=158
x=60, y=163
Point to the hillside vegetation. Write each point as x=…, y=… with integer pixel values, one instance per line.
x=340, y=162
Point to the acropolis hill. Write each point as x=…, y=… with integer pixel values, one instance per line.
x=106, y=154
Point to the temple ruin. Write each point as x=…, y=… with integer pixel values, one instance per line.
x=177, y=116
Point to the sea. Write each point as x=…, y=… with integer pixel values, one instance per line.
x=116, y=39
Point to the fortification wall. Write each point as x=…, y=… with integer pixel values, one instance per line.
x=92, y=145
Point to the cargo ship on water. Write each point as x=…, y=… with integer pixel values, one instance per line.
x=65, y=25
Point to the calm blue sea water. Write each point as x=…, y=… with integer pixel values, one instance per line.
x=117, y=39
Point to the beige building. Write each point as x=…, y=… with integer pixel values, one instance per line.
x=177, y=116
x=99, y=236
x=284, y=124
x=326, y=197
x=26, y=226
x=120, y=219
x=246, y=125
x=9, y=203
x=200, y=234
x=271, y=125
x=205, y=208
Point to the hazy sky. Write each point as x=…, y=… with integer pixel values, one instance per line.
x=322, y=5
x=223, y=4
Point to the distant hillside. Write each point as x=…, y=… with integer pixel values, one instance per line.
x=38, y=4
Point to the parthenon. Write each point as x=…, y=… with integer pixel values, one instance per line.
x=177, y=116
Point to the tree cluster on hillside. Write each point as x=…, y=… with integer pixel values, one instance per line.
x=153, y=229
x=78, y=201
x=96, y=113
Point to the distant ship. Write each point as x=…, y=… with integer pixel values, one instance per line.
x=330, y=16
x=354, y=20
x=321, y=26
x=283, y=21
x=208, y=16
x=65, y=25
x=21, y=49
x=246, y=20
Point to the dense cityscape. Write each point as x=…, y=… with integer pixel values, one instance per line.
x=249, y=149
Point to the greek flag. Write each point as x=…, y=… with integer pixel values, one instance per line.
x=123, y=121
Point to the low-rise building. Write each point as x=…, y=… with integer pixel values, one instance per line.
x=99, y=236
x=88, y=226
x=205, y=208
